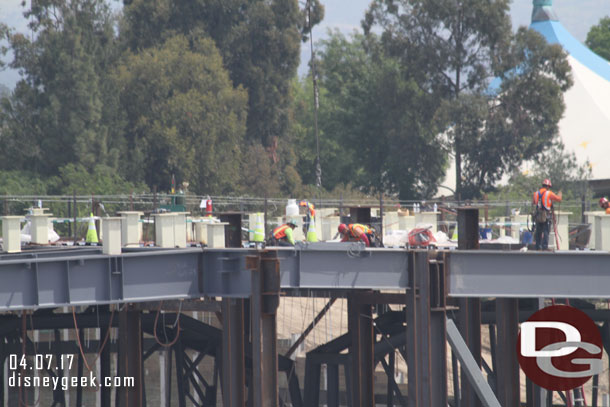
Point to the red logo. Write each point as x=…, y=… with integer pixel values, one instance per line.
x=559, y=348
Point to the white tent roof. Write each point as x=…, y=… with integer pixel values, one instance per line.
x=585, y=127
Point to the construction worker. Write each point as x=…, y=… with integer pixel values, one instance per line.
x=309, y=227
x=543, y=202
x=603, y=202
x=282, y=235
x=356, y=232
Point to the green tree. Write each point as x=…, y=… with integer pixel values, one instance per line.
x=258, y=40
x=182, y=116
x=453, y=49
x=101, y=180
x=4, y=36
x=58, y=113
x=598, y=38
x=374, y=123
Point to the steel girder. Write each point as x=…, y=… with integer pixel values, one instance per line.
x=52, y=278
x=574, y=274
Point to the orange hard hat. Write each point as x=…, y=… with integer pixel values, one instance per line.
x=342, y=228
x=547, y=183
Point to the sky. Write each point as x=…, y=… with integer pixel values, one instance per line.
x=576, y=15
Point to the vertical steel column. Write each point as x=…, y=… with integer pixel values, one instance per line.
x=332, y=385
x=469, y=322
x=426, y=332
x=130, y=342
x=360, y=326
x=265, y=301
x=105, y=362
x=233, y=359
x=536, y=395
x=79, y=388
x=507, y=320
x=412, y=335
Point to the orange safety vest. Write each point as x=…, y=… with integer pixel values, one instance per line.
x=280, y=232
x=365, y=229
x=547, y=202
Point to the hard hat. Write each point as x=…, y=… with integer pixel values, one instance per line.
x=547, y=183
x=291, y=223
x=342, y=228
x=602, y=201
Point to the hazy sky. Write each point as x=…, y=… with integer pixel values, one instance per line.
x=576, y=15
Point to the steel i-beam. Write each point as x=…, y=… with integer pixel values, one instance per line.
x=470, y=308
x=233, y=360
x=265, y=300
x=360, y=325
x=426, y=331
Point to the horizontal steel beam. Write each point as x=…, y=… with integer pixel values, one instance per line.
x=52, y=278
x=52, y=281
x=343, y=266
x=573, y=274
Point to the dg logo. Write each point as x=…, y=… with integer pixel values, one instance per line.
x=560, y=348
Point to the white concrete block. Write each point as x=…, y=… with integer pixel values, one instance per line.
x=11, y=234
x=111, y=228
x=180, y=229
x=390, y=221
x=201, y=231
x=406, y=222
x=428, y=218
x=329, y=225
x=131, y=228
x=518, y=222
x=164, y=230
x=216, y=235
x=602, y=232
x=39, y=228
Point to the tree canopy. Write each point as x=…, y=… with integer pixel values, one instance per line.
x=207, y=91
x=258, y=40
x=182, y=116
x=598, y=38
x=453, y=51
x=58, y=110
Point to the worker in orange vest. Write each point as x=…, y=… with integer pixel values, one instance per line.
x=282, y=235
x=543, y=202
x=356, y=232
x=603, y=202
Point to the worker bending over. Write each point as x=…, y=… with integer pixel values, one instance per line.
x=356, y=232
x=543, y=202
x=603, y=202
x=282, y=235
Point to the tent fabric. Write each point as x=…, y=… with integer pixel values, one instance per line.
x=585, y=127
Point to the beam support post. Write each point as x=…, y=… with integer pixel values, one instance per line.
x=265, y=301
x=360, y=325
x=233, y=359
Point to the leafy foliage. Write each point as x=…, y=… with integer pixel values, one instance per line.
x=375, y=123
x=182, y=116
x=57, y=113
x=555, y=164
x=452, y=50
x=258, y=40
x=598, y=38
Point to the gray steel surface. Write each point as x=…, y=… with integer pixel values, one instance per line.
x=51, y=278
x=572, y=274
x=472, y=370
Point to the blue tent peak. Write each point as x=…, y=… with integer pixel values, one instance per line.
x=543, y=11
